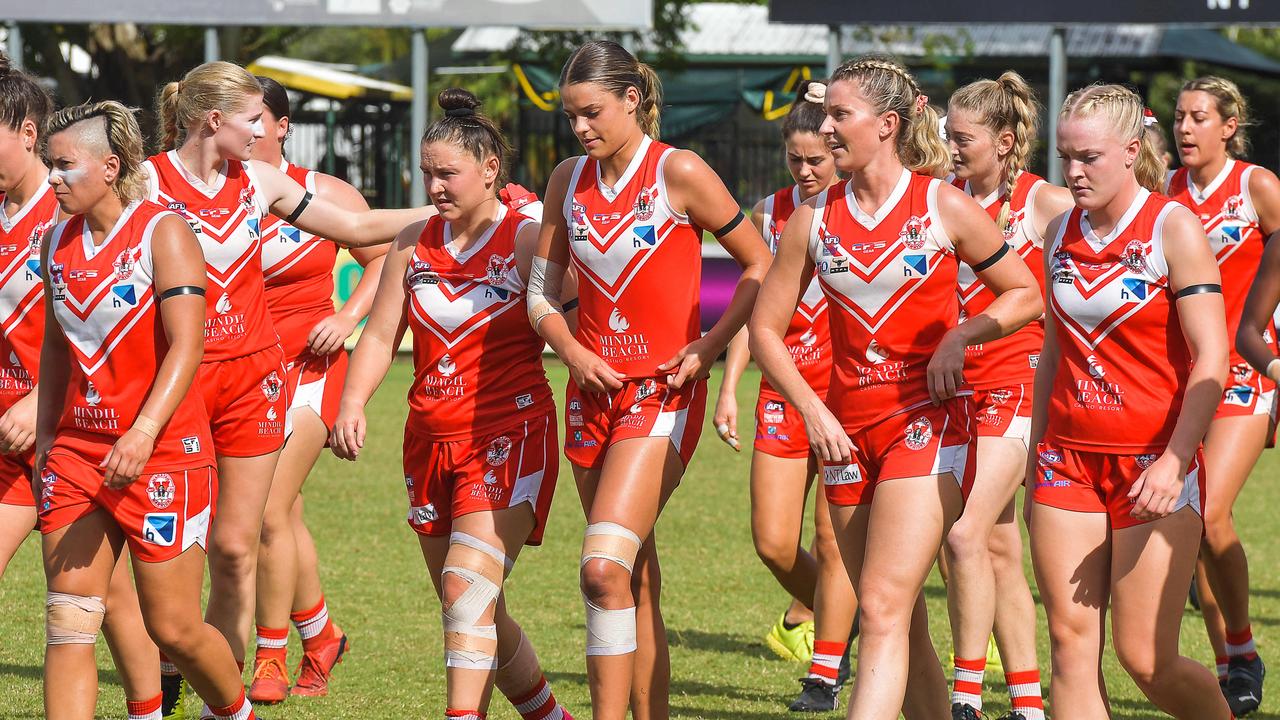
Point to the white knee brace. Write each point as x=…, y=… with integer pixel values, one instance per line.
x=72, y=619
x=610, y=632
x=466, y=644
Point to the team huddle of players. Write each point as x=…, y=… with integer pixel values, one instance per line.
x=936, y=325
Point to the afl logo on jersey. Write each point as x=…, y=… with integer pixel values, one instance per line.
x=420, y=274
x=578, y=218
x=919, y=433
x=178, y=207
x=645, y=204
x=912, y=233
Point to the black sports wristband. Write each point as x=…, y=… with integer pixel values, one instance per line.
x=995, y=258
x=302, y=205
x=1198, y=289
x=182, y=290
x=570, y=304
x=729, y=226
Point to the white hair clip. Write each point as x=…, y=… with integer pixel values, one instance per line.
x=815, y=93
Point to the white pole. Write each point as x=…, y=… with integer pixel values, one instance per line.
x=835, y=53
x=418, y=114
x=1057, y=95
x=14, y=44
x=211, y=50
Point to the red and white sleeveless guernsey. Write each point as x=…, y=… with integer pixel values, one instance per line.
x=477, y=362
x=1236, y=238
x=22, y=293
x=227, y=218
x=808, y=337
x=105, y=302
x=639, y=264
x=1009, y=360
x=890, y=281
x=1124, y=364
x=298, y=270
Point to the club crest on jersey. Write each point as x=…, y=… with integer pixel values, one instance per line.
x=496, y=270
x=126, y=261
x=1145, y=461
x=919, y=433
x=912, y=233
x=775, y=233
x=1000, y=397
x=161, y=490
x=645, y=203
x=1135, y=256
x=1241, y=372
x=246, y=198
x=1233, y=208
x=578, y=219
x=1010, y=228
x=499, y=451
x=271, y=386
x=37, y=233
x=646, y=389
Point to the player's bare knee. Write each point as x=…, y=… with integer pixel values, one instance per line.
x=1220, y=534
x=966, y=541
x=777, y=554
x=234, y=559
x=72, y=619
x=884, y=611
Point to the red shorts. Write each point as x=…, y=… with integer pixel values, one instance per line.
x=316, y=384
x=780, y=429
x=247, y=400
x=1004, y=412
x=490, y=472
x=644, y=407
x=1246, y=393
x=15, y=479
x=925, y=441
x=161, y=514
x=1095, y=482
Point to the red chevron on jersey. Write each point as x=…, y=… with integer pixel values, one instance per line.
x=227, y=219
x=808, y=336
x=1123, y=363
x=641, y=260
x=890, y=279
x=298, y=272
x=477, y=362
x=22, y=292
x=104, y=301
x=1235, y=235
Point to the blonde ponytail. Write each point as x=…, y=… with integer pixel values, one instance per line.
x=1005, y=104
x=890, y=88
x=1125, y=111
x=186, y=104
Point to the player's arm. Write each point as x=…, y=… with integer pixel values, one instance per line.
x=699, y=193
x=546, y=290
x=1196, y=286
x=330, y=333
x=319, y=216
x=1255, y=320
x=780, y=293
x=179, y=286
x=1018, y=302
x=376, y=347
x=737, y=355
x=1264, y=192
x=55, y=368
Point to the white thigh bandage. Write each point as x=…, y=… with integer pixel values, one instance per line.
x=612, y=542
x=542, y=296
x=72, y=619
x=468, y=645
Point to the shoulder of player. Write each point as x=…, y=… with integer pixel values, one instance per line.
x=340, y=192
x=684, y=166
x=1263, y=183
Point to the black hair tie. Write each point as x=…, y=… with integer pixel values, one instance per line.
x=460, y=112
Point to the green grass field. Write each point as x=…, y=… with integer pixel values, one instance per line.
x=719, y=600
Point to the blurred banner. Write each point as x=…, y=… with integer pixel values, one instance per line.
x=1053, y=12
x=597, y=14
x=719, y=278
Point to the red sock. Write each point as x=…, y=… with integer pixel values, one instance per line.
x=1025, y=694
x=464, y=715
x=238, y=710
x=145, y=709
x=826, y=660
x=166, y=665
x=273, y=643
x=1240, y=644
x=539, y=703
x=966, y=688
x=1221, y=663
x=313, y=625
